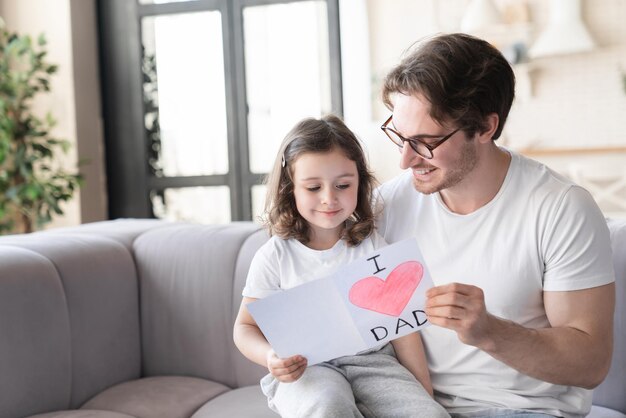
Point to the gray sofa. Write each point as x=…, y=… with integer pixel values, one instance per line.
x=133, y=318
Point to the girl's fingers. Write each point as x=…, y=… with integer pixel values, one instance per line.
x=287, y=367
x=292, y=375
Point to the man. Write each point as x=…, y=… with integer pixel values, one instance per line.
x=524, y=298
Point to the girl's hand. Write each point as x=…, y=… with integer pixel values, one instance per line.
x=285, y=369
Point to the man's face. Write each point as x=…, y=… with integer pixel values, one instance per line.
x=452, y=161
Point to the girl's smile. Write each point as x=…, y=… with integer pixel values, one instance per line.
x=331, y=212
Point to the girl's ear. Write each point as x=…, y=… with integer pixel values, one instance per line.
x=491, y=121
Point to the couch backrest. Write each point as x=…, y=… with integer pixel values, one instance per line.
x=187, y=295
x=71, y=303
x=189, y=303
x=612, y=392
x=246, y=372
x=35, y=345
x=69, y=320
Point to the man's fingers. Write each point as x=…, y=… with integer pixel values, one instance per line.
x=462, y=289
x=448, y=323
x=447, y=312
x=448, y=300
x=455, y=295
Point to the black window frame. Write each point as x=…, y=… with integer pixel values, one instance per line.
x=129, y=178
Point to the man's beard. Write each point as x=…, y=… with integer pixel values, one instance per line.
x=464, y=165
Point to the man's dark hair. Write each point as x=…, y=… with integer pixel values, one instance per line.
x=464, y=78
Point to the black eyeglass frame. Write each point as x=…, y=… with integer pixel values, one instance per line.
x=415, y=142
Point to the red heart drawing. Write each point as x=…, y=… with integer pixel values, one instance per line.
x=389, y=296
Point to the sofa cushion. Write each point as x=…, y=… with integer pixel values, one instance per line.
x=157, y=397
x=35, y=352
x=246, y=372
x=99, y=280
x=600, y=412
x=248, y=401
x=82, y=414
x=186, y=286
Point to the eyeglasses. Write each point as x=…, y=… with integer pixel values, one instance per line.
x=424, y=149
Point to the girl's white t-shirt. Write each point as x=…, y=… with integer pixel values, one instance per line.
x=281, y=264
x=540, y=233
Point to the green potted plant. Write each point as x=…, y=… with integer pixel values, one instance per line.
x=33, y=186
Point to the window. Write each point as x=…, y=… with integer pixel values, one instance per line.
x=198, y=95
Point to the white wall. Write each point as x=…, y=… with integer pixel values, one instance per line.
x=74, y=99
x=572, y=101
x=575, y=100
x=563, y=102
x=89, y=124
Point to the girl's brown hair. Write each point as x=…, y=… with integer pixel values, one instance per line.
x=317, y=136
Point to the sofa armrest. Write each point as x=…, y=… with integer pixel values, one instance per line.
x=611, y=393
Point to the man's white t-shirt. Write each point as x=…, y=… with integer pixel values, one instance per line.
x=540, y=233
x=281, y=264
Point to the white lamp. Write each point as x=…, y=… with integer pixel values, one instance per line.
x=565, y=34
x=480, y=14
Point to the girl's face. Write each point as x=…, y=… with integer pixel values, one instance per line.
x=325, y=189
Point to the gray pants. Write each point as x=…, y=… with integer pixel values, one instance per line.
x=368, y=385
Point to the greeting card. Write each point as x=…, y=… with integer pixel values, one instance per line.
x=366, y=303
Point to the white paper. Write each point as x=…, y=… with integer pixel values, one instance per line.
x=361, y=306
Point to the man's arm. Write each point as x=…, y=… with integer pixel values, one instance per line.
x=575, y=351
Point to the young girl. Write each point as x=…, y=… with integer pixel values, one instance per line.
x=319, y=215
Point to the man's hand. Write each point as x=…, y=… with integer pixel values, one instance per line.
x=461, y=308
x=575, y=350
x=286, y=369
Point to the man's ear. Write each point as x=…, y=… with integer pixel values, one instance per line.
x=491, y=122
